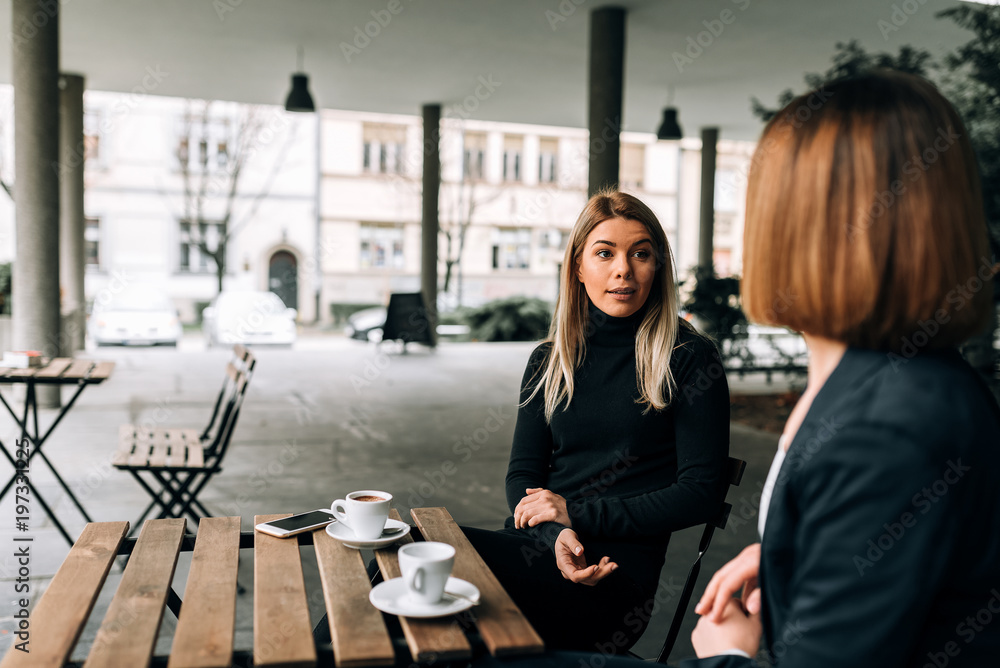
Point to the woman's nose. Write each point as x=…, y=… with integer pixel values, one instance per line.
x=623, y=268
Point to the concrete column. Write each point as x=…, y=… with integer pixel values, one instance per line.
x=35, y=67
x=318, y=315
x=529, y=161
x=71, y=219
x=429, y=212
x=604, y=107
x=709, y=140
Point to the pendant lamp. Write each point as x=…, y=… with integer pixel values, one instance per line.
x=299, y=98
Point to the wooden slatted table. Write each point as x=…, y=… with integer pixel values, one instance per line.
x=282, y=635
x=58, y=371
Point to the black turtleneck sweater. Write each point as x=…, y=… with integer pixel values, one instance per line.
x=628, y=478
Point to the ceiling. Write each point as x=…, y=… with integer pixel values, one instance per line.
x=437, y=50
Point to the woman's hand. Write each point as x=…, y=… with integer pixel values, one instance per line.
x=735, y=630
x=740, y=574
x=540, y=505
x=573, y=565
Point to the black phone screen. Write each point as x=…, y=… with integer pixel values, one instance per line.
x=302, y=521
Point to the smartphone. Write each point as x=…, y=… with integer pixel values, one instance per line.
x=296, y=524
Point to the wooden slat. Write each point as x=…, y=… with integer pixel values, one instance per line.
x=195, y=455
x=428, y=639
x=54, y=368
x=101, y=372
x=19, y=374
x=124, y=451
x=204, y=635
x=158, y=455
x=282, y=634
x=232, y=372
x=59, y=617
x=190, y=435
x=140, y=456
x=501, y=624
x=358, y=631
x=77, y=370
x=128, y=634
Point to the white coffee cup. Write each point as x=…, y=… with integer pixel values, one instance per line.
x=425, y=567
x=364, y=512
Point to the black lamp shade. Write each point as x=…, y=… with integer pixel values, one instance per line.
x=669, y=128
x=299, y=98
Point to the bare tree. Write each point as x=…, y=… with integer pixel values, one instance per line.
x=205, y=184
x=460, y=210
x=6, y=120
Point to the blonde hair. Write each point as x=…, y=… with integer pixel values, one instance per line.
x=657, y=333
x=864, y=218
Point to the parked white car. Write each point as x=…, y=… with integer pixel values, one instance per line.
x=249, y=317
x=138, y=315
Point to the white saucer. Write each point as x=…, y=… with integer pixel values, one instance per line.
x=393, y=597
x=345, y=535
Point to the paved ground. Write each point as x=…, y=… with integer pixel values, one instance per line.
x=327, y=417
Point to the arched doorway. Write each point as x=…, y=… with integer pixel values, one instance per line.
x=283, y=278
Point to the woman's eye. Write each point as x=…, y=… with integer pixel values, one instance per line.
x=601, y=253
x=642, y=254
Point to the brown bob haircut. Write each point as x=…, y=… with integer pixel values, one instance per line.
x=864, y=219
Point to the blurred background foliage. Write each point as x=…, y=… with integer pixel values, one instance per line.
x=970, y=78
x=512, y=319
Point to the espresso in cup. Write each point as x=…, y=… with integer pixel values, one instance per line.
x=364, y=512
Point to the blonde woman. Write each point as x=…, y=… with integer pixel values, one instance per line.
x=622, y=437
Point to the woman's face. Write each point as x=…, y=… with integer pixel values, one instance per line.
x=617, y=266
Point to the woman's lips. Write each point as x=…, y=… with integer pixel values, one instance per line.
x=622, y=294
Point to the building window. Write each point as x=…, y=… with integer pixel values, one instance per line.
x=92, y=243
x=92, y=136
x=512, y=248
x=210, y=138
x=191, y=259
x=383, y=148
x=554, y=239
x=726, y=191
x=548, y=149
x=513, y=154
x=633, y=166
x=381, y=246
x=473, y=152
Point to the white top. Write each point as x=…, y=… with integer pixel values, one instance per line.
x=772, y=477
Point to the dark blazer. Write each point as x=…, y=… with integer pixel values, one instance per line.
x=882, y=541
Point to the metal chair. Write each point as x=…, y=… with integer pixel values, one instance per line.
x=734, y=474
x=242, y=359
x=178, y=462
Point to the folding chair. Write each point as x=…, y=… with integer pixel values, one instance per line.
x=406, y=320
x=734, y=474
x=177, y=460
x=242, y=359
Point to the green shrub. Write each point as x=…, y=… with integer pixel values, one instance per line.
x=716, y=300
x=511, y=319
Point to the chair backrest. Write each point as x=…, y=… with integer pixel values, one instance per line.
x=406, y=319
x=241, y=361
x=231, y=412
x=734, y=474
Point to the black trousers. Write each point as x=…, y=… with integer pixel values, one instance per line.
x=608, y=617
